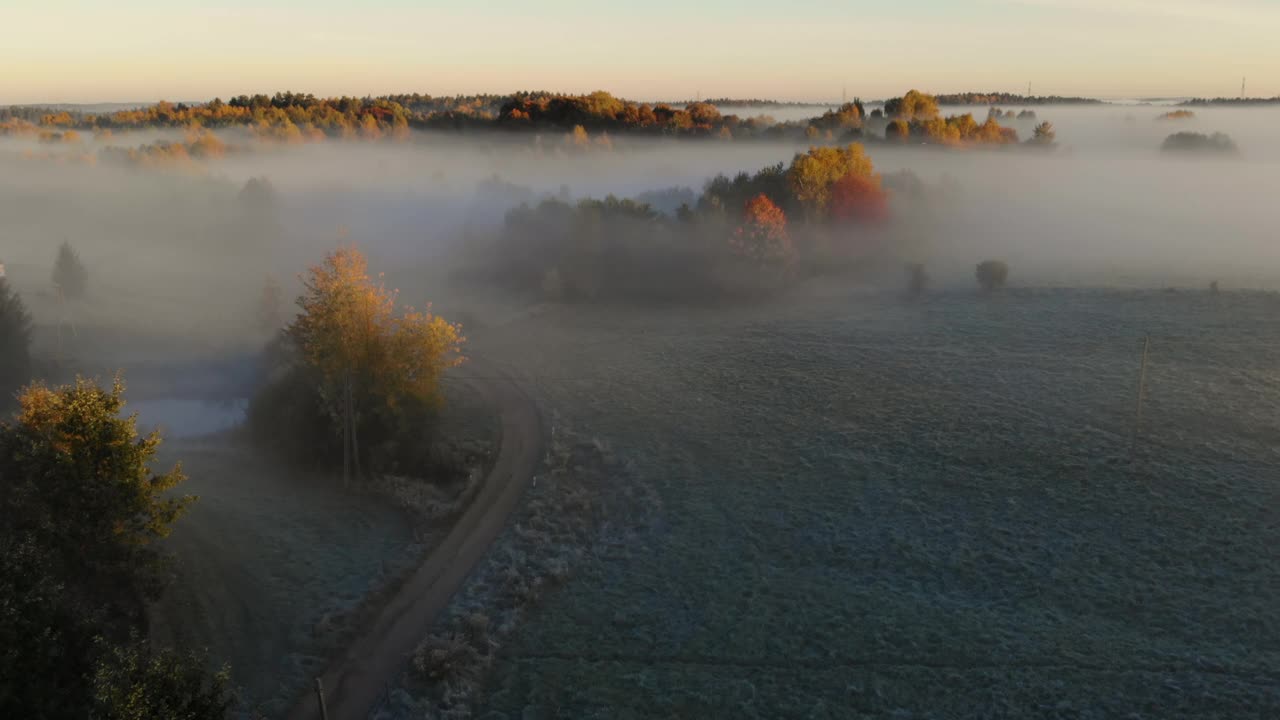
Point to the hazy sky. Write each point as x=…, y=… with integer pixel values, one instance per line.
x=132, y=50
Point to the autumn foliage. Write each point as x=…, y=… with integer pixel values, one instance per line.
x=374, y=368
x=859, y=198
x=813, y=174
x=762, y=235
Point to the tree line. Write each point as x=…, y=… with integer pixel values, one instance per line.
x=747, y=234
x=299, y=117
x=1002, y=98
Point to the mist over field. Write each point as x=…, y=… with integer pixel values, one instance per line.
x=826, y=493
x=1106, y=208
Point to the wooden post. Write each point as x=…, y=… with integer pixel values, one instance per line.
x=324, y=710
x=1142, y=386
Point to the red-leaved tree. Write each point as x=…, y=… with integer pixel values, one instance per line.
x=762, y=236
x=859, y=198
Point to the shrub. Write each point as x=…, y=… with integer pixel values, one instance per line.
x=992, y=274
x=447, y=658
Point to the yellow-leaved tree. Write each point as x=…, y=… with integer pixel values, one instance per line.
x=812, y=174
x=369, y=357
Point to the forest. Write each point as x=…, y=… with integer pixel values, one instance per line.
x=300, y=117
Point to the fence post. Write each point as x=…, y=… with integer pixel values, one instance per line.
x=324, y=711
x=1142, y=386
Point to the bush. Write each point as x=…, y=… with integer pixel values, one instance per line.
x=992, y=274
x=448, y=658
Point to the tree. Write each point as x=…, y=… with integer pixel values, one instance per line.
x=762, y=236
x=897, y=131
x=133, y=682
x=1044, y=134
x=858, y=198
x=370, y=129
x=69, y=275
x=15, y=342
x=992, y=274
x=812, y=174
x=915, y=105
x=78, y=477
x=80, y=511
x=578, y=138
x=368, y=358
x=269, y=311
x=702, y=113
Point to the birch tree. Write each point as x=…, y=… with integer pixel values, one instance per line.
x=368, y=356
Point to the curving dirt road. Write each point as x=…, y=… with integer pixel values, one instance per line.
x=356, y=680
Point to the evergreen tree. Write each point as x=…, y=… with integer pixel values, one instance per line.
x=15, y=343
x=69, y=274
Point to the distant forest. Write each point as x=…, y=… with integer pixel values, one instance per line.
x=586, y=121
x=1232, y=101
x=751, y=102
x=973, y=98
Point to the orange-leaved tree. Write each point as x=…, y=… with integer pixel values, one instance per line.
x=859, y=198
x=762, y=235
x=368, y=356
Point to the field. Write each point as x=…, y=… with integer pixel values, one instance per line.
x=883, y=508
x=270, y=563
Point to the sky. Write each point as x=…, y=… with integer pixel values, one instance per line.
x=86, y=51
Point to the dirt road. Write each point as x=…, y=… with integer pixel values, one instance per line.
x=354, y=682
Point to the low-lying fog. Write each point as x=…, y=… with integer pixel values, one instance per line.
x=1105, y=208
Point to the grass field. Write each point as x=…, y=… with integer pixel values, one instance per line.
x=883, y=508
x=270, y=566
